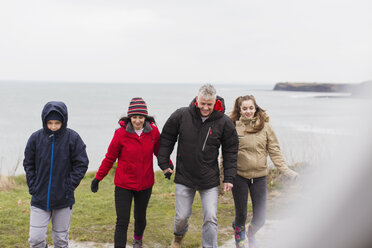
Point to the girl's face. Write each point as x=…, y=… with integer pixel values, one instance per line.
x=247, y=108
x=137, y=121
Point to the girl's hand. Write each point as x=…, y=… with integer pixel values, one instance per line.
x=293, y=175
x=227, y=186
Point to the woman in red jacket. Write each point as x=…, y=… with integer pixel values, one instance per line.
x=133, y=145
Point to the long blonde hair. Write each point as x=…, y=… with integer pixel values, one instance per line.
x=260, y=113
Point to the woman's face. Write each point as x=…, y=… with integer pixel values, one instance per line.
x=247, y=108
x=137, y=121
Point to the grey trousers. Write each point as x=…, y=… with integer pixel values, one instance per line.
x=183, y=206
x=39, y=220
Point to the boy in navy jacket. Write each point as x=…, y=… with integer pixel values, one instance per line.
x=55, y=162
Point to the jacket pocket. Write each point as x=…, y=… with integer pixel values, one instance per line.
x=261, y=160
x=210, y=153
x=40, y=192
x=35, y=188
x=206, y=138
x=68, y=185
x=32, y=189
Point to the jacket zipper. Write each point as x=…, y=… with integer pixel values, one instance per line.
x=205, y=141
x=50, y=173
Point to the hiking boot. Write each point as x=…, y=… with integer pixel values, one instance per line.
x=239, y=235
x=177, y=241
x=137, y=243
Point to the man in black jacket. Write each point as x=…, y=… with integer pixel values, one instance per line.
x=200, y=129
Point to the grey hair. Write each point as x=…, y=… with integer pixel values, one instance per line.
x=207, y=91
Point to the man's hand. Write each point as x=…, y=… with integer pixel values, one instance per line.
x=227, y=186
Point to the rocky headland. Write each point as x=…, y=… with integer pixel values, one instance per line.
x=363, y=89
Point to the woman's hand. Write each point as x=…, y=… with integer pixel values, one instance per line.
x=168, y=173
x=94, y=185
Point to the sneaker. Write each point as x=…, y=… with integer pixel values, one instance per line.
x=251, y=237
x=252, y=242
x=137, y=243
x=176, y=242
x=239, y=234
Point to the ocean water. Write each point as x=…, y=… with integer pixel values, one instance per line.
x=307, y=124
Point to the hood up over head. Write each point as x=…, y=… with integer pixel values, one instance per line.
x=58, y=107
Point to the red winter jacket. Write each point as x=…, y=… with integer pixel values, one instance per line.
x=135, y=157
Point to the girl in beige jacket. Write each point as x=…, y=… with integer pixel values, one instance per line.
x=256, y=140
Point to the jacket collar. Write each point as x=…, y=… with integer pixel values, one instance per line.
x=249, y=124
x=146, y=129
x=249, y=121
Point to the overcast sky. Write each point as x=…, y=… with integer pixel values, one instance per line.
x=186, y=41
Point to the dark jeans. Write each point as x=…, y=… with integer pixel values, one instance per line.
x=123, y=203
x=258, y=189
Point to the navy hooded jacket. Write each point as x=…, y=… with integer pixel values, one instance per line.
x=55, y=162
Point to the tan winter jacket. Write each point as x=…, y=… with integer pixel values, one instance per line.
x=255, y=146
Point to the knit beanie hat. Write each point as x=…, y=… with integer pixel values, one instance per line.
x=54, y=115
x=137, y=106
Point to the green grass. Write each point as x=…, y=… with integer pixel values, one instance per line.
x=94, y=216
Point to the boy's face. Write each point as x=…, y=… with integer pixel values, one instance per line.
x=54, y=125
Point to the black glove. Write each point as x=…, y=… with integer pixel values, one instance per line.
x=94, y=185
x=169, y=174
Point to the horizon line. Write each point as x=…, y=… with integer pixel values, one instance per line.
x=128, y=82
x=177, y=82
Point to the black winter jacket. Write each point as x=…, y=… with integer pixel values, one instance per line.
x=198, y=146
x=55, y=163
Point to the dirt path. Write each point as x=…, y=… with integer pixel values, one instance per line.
x=265, y=235
x=278, y=202
x=74, y=244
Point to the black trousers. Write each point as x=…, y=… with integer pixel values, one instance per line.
x=258, y=189
x=123, y=203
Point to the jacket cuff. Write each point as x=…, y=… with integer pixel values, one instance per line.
x=290, y=173
x=164, y=166
x=228, y=180
x=99, y=178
